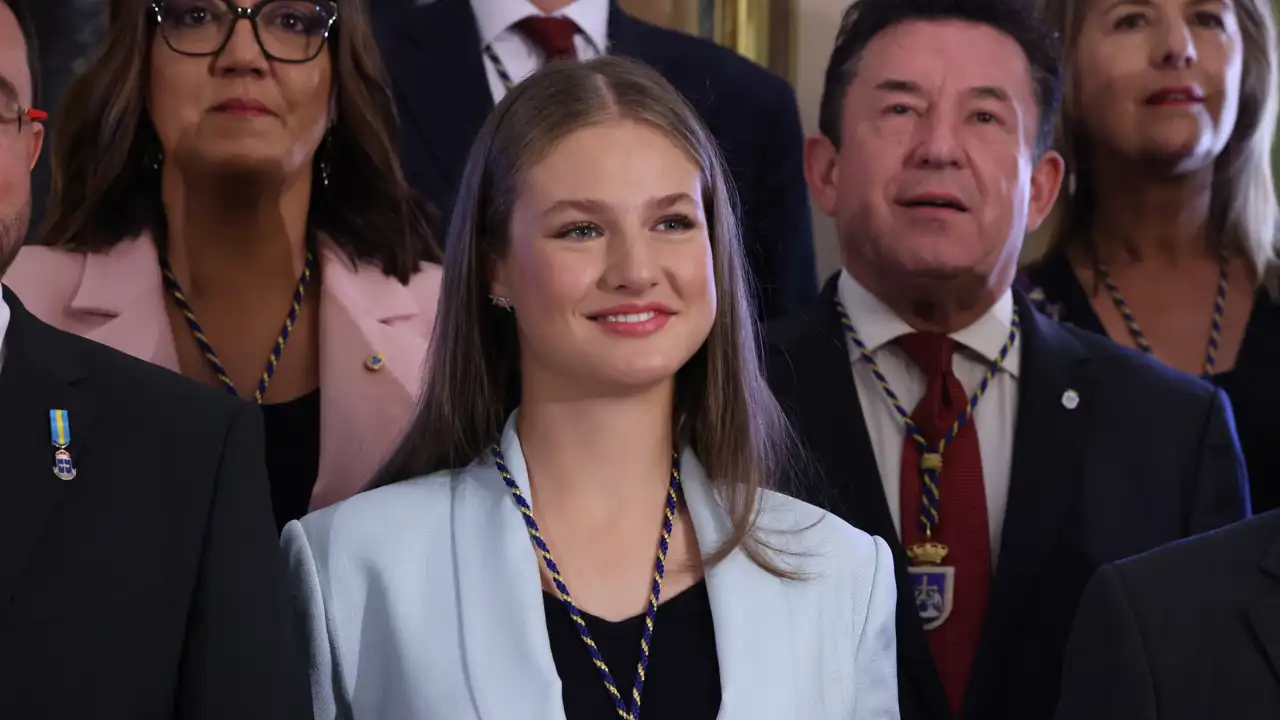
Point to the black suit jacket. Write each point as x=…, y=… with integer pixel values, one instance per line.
x=433, y=56
x=1148, y=456
x=1187, y=632
x=150, y=585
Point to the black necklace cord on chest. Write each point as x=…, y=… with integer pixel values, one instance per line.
x=211, y=356
x=1215, y=327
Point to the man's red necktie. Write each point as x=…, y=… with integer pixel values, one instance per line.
x=962, y=522
x=552, y=35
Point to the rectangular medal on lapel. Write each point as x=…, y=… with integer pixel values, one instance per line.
x=934, y=587
x=60, y=436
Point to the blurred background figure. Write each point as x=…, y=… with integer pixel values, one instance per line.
x=451, y=60
x=70, y=33
x=595, y=279
x=228, y=203
x=1166, y=233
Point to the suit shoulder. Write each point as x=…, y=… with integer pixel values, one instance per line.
x=812, y=541
x=784, y=332
x=1136, y=372
x=732, y=72
x=1213, y=559
x=148, y=385
x=45, y=278
x=373, y=522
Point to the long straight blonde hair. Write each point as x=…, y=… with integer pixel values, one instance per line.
x=1243, y=211
x=724, y=410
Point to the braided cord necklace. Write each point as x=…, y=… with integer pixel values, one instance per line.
x=211, y=356
x=1139, y=339
x=626, y=711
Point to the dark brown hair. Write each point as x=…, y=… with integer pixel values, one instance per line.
x=724, y=410
x=104, y=189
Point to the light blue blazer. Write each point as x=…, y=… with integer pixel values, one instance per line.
x=422, y=600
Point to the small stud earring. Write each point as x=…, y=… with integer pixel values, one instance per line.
x=502, y=302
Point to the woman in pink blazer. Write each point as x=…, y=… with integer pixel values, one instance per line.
x=227, y=203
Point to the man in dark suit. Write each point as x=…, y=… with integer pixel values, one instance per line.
x=139, y=570
x=1007, y=456
x=450, y=60
x=1187, y=632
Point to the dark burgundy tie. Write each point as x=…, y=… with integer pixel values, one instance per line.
x=552, y=35
x=962, y=517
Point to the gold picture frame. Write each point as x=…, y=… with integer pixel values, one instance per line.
x=760, y=30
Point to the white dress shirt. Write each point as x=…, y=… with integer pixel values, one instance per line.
x=995, y=417
x=497, y=18
x=4, y=327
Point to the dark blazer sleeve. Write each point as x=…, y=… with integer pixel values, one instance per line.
x=1221, y=494
x=784, y=228
x=1105, y=672
x=242, y=657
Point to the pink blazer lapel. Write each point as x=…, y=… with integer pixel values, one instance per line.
x=364, y=404
x=374, y=334
x=121, y=299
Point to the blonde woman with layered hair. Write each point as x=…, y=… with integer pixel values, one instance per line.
x=1165, y=236
x=609, y=545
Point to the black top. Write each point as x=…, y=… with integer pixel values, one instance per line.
x=149, y=585
x=293, y=454
x=1253, y=385
x=683, y=677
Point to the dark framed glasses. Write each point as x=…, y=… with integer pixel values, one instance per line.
x=291, y=31
x=11, y=113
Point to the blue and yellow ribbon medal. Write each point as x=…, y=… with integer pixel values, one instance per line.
x=60, y=434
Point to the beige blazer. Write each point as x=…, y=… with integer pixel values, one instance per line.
x=117, y=298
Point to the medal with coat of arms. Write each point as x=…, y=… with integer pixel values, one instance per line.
x=60, y=436
x=933, y=583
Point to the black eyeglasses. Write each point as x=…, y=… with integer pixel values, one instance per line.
x=12, y=113
x=292, y=31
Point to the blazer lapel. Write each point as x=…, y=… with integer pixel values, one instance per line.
x=852, y=487
x=362, y=398
x=1049, y=442
x=752, y=643
x=445, y=110
x=504, y=626
x=124, y=288
x=41, y=371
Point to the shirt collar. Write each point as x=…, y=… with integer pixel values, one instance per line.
x=878, y=326
x=495, y=17
x=4, y=326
